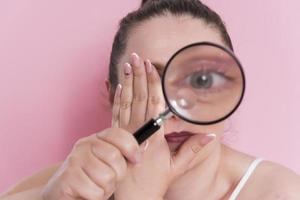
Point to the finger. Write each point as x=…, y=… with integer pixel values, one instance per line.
x=140, y=92
x=111, y=156
x=125, y=142
x=116, y=107
x=82, y=186
x=189, y=150
x=126, y=96
x=100, y=173
x=155, y=104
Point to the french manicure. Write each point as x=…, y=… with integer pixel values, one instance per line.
x=118, y=90
x=207, y=139
x=135, y=60
x=148, y=66
x=127, y=69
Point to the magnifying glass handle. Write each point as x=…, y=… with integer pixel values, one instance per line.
x=151, y=126
x=146, y=131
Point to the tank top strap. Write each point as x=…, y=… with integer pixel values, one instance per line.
x=245, y=178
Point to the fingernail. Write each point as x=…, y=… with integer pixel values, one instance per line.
x=207, y=139
x=148, y=66
x=135, y=60
x=118, y=90
x=127, y=69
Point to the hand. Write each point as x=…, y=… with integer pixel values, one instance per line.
x=137, y=99
x=104, y=163
x=94, y=167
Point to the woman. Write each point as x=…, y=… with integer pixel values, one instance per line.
x=111, y=165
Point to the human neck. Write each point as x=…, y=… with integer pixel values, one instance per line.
x=210, y=181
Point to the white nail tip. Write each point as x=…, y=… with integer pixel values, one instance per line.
x=212, y=135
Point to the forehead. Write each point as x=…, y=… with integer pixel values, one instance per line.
x=159, y=38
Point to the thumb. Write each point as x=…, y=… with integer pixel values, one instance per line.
x=189, y=150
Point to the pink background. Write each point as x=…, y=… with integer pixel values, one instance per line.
x=54, y=57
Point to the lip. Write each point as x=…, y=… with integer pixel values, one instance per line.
x=178, y=137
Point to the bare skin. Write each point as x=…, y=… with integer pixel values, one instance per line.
x=218, y=168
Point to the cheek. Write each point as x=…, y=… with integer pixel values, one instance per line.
x=217, y=129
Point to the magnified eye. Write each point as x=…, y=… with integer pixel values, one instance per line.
x=206, y=80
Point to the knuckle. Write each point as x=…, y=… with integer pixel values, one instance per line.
x=115, y=155
x=124, y=105
x=113, y=130
x=140, y=97
x=152, y=79
x=130, y=148
x=81, y=142
x=109, y=178
x=104, y=133
x=135, y=123
x=155, y=100
x=126, y=96
x=109, y=132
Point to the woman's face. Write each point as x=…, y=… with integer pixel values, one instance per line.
x=157, y=40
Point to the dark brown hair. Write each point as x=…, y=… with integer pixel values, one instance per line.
x=153, y=8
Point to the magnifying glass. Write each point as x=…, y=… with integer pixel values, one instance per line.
x=203, y=83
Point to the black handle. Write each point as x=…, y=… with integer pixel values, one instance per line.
x=146, y=131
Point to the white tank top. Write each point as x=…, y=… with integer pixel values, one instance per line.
x=245, y=178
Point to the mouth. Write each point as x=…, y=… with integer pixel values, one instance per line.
x=178, y=137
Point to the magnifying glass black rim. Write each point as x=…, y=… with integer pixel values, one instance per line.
x=207, y=44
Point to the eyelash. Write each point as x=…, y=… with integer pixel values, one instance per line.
x=217, y=71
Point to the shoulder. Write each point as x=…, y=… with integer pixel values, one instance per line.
x=268, y=181
x=273, y=181
x=36, y=180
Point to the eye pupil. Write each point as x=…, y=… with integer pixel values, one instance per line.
x=202, y=81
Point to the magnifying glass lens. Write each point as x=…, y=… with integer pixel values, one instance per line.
x=203, y=83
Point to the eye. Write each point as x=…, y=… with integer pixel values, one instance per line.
x=206, y=80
